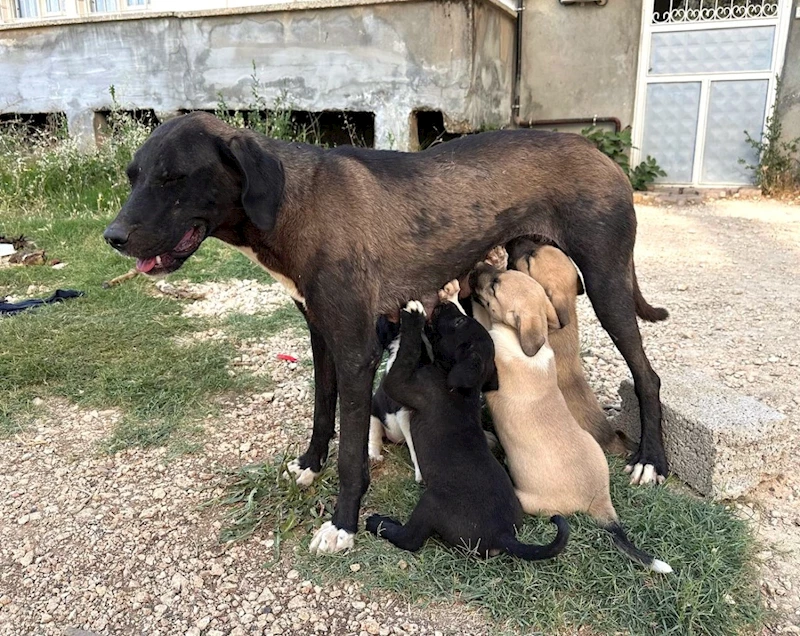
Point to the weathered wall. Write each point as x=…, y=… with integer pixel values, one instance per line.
x=789, y=96
x=389, y=59
x=579, y=60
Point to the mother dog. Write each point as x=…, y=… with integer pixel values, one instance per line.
x=355, y=233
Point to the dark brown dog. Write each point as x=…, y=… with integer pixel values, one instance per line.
x=357, y=233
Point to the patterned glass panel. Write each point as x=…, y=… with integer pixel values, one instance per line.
x=712, y=51
x=733, y=107
x=671, y=127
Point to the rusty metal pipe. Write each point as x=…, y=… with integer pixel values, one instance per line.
x=529, y=123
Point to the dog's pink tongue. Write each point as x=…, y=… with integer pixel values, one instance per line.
x=145, y=264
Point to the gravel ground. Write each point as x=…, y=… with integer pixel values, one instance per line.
x=97, y=544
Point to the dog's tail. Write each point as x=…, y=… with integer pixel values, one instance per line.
x=539, y=552
x=627, y=548
x=645, y=310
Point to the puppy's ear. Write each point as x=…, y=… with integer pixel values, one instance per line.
x=531, y=338
x=554, y=316
x=559, y=309
x=262, y=181
x=492, y=382
x=581, y=291
x=466, y=373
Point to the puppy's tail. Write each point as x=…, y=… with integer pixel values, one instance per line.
x=539, y=552
x=627, y=548
x=645, y=310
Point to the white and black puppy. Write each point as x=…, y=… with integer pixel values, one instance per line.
x=469, y=500
x=390, y=419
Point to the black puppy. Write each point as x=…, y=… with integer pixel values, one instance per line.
x=469, y=500
x=389, y=418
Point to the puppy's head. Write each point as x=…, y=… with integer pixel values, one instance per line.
x=552, y=269
x=464, y=348
x=517, y=300
x=193, y=175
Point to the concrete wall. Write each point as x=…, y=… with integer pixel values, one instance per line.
x=789, y=96
x=579, y=60
x=390, y=59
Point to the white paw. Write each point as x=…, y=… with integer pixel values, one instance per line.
x=303, y=476
x=417, y=476
x=498, y=257
x=450, y=291
x=375, y=454
x=414, y=306
x=329, y=539
x=644, y=474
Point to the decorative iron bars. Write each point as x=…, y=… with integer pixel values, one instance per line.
x=682, y=11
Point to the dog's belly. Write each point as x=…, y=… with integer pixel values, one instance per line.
x=287, y=283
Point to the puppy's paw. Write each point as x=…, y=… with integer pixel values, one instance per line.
x=304, y=477
x=330, y=539
x=418, y=476
x=644, y=474
x=375, y=454
x=497, y=257
x=450, y=291
x=376, y=523
x=415, y=307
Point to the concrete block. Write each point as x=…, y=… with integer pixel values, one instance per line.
x=721, y=443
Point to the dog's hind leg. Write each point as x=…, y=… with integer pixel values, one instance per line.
x=375, y=439
x=604, y=254
x=404, y=419
x=410, y=536
x=611, y=294
x=306, y=467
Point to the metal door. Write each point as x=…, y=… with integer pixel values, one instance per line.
x=707, y=72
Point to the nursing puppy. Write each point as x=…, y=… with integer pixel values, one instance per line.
x=469, y=500
x=389, y=418
x=554, y=271
x=557, y=467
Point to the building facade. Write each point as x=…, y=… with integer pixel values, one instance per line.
x=689, y=76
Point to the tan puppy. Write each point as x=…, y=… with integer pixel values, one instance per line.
x=554, y=271
x=556, y=466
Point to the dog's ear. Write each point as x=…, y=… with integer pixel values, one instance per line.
x=492, y=382
x=531, y=338
x=581, y=291
x=262, y=181
x=466, y=373
x=557, y=315
x=558, y=311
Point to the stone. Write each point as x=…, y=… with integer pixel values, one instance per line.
x=721, y=443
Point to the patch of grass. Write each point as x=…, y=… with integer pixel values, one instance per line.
x=116, y=348
x=711, y=592
x=254, y=488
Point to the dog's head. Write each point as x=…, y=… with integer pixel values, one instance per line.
x=517, y=300
x=192, y=175
x=464, y=348
x=552, y=269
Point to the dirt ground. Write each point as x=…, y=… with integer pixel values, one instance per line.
x=98, y=544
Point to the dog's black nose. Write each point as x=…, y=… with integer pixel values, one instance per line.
x=115, y=236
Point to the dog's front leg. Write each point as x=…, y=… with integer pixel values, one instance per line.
x=356, y=362
x=306, y=467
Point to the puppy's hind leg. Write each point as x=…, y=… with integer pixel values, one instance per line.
x=410, y=536
x=375, y=439
x=404, y=420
